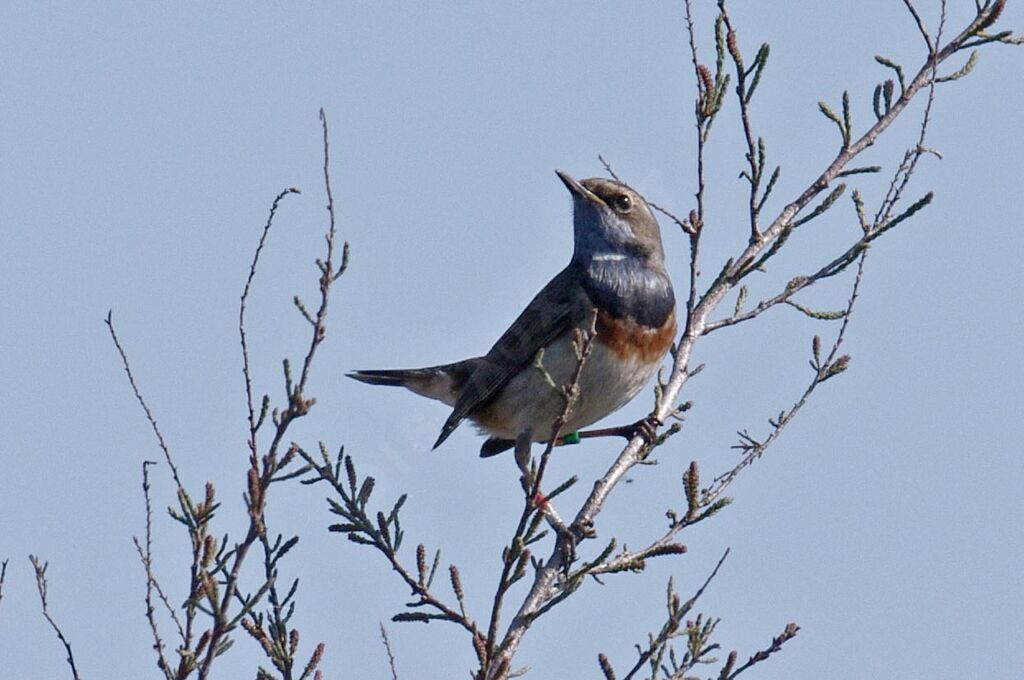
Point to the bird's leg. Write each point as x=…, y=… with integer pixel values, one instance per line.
x=522, y=453
x=645, y=427
x=537, y=497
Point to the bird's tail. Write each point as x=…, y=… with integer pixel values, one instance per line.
x=399, y=377
x=443, y=383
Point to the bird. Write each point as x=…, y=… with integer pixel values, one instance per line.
x=615, y=283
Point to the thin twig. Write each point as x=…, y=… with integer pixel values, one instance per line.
x=671, y=626
x=698, y=223
x=753, y=160
x=146, y=557
x=3, y=575
x=142, y=402
x=788, y=634
x=194, y=583
x=246, y=372
x=921, y=27
x=797, y=284
x=387, y=648
x=901, y=178
x=41, y=586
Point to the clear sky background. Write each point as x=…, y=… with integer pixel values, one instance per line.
x=141, y=145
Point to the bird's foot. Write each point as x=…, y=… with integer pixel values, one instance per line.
x=569, y=542
x=647, y=428
x=571, y=536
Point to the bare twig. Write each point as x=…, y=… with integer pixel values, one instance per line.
x=788, y=634
x=755, y=153
x=901, y=178
x=753, y=449
x=921, y=27
x=254, y=422
x=708, y=104
x=387, y=648
x=41, y=586
x=677, y=613
x=142, y=402
x=146, y=557
x=3, y=575
x=216, y=568
x=188, y=516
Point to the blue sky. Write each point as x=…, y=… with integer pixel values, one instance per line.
x=141, y=145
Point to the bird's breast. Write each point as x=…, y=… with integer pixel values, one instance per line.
x=630, y=340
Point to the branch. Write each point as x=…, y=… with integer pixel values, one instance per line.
x=544, y=586
x=216, y=568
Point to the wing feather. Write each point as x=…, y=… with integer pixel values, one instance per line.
x=559, y=307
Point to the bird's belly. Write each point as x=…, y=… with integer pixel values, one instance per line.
x=608, y=383
x=532, y=401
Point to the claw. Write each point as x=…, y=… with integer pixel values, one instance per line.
x=568, y=547
x=647, y=428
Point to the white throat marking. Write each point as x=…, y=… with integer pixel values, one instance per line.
x=608, y=257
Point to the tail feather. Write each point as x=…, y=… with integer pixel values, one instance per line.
x=379, y=377
x=437, y=382
x=446, y=429
x=399, y=377
x=443, y=383
x=494, y=446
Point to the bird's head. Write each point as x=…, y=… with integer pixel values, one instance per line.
x=611, y=221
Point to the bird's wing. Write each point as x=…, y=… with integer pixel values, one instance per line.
x=558, y=307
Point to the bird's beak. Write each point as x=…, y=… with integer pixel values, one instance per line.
x=578, y=189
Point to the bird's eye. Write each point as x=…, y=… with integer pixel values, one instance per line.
x=622, y=203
